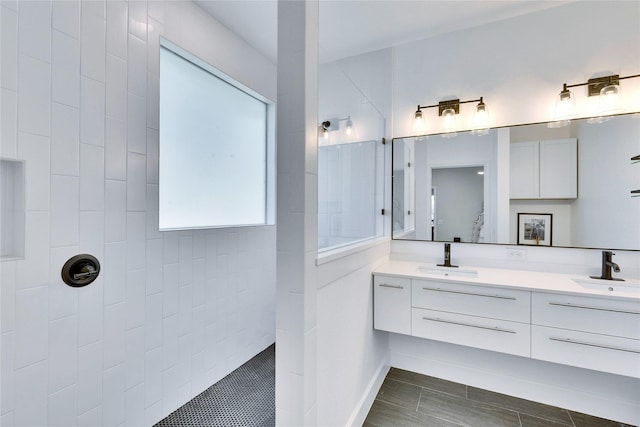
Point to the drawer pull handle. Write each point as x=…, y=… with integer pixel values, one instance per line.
x=384, y=285
x=568, y=304
x=469, y=293
x=495, y=328
x=570, y=341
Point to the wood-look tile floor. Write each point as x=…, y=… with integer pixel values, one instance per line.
x=408, y=399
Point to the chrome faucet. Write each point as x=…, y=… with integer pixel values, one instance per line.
x=447, y=257
x=607, y=266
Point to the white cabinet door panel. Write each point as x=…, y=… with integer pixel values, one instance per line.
x=472, y=331
x=392, y=304
x=585, y=350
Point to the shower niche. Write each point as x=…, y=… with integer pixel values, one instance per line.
x=12, y=209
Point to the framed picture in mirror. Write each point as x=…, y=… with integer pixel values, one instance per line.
x=535, y=229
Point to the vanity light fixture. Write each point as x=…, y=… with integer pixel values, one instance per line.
x=607, y=88
x=448, y=110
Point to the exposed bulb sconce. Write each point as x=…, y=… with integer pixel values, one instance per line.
x=607, y=88
x=449, y=110
x=326, y=126
x=323, y=129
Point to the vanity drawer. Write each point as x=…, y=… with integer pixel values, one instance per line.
x=472, y=331
x=496, y=303
x=592, y=351
x=588, y=314
x=392, y=304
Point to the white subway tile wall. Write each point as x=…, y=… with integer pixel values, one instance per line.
x=171, y=312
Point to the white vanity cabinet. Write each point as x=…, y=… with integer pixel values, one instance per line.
x=544, y=169
x=589, y=332
x=477, y=316
x=392, y=304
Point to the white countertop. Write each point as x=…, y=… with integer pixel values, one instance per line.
x=516, y=279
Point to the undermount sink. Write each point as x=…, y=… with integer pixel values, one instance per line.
x=448, y=271
x=609, y=287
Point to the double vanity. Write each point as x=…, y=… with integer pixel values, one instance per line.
x=567, y=319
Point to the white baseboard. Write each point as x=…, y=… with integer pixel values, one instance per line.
x=363, y=407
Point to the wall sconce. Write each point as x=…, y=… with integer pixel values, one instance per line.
x=448, y=111
x=325, y=127
x=608, y=88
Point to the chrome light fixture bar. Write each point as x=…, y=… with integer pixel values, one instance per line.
x=448, y=110
x=607, y=87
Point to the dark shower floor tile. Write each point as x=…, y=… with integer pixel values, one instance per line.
x=244, y=398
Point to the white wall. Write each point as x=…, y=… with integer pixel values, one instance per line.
x=171, y=312
x=351, y=357
x=519, y=65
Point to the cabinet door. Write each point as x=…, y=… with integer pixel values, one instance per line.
x=559, y=169
x=392, y=304
x=473, y=331
x=586, y=350
x=524, y=170
x=604, y=316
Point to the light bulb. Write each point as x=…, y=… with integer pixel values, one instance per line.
x=449, y=125
x=481, y=119
x=418, y=121
x=565, y=109
x=609, y=101
x=349, y=126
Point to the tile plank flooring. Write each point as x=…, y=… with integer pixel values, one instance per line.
x=407, y=399
x=246, y=397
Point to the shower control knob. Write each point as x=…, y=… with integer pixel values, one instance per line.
x=80, y=270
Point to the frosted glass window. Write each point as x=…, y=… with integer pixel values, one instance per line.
x=213, y=148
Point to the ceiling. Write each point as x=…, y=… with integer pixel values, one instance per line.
x=351, y=27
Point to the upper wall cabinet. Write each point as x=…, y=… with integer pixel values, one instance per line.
x=544, y=169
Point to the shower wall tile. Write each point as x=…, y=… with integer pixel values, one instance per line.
x=34, y=150
x=80, y=105
x=92, y=108
x=115, y=214
x=65, y=140
x=136, y=297
x=91, y=313
x=117, y=28
x=91, y=418
x=113, y=399
x=137, y=123
x=89, y=384
x=115, y=327
x=91, y=178
x=9, y=46
x=31, y=395
x=9, y=121
x=66, y=17
x=136, y=182
x=116, y=98
x=65, y=69
x=115, y=150
x=92, y=39
x=65, y=212
x=34, y=27
x=137, y=66
x=115, y=272
x=135, y=352
x=61, y=408
x=63, y=354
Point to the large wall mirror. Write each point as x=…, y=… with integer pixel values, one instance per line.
x=529, y=184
